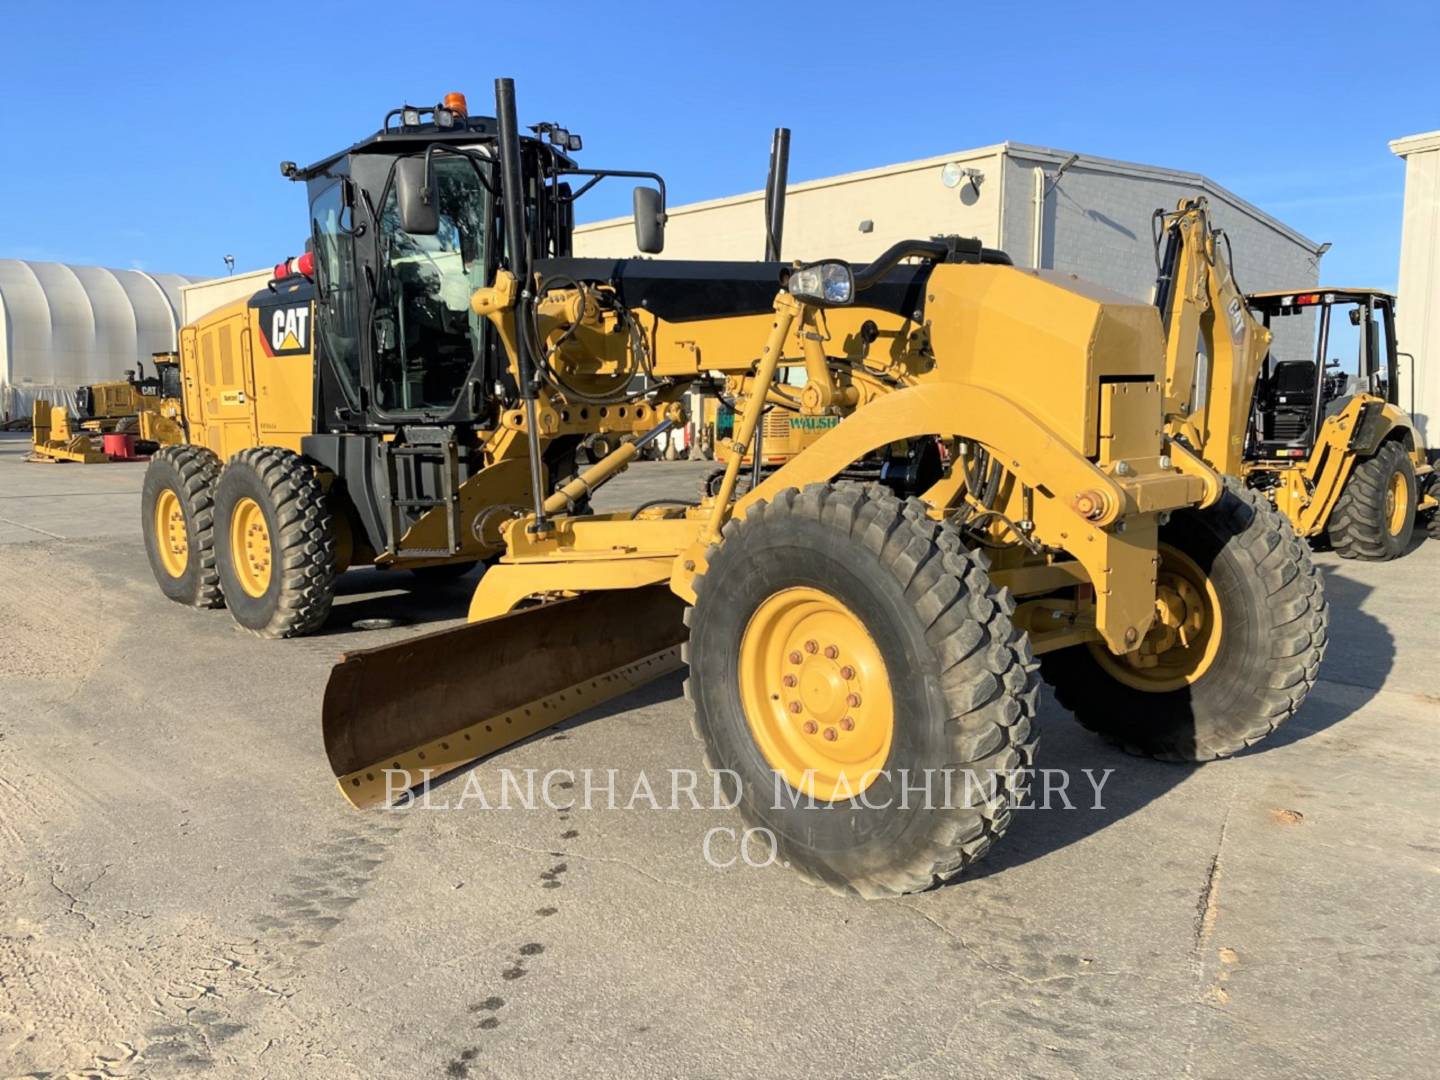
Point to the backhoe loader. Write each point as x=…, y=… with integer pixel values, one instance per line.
x=859, y=629
x=1332, y=451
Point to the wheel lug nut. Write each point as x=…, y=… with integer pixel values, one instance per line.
x=812, y=647
x=810, y=727
x=790, y=680
x=831, y=652
x=796, y=707
x=853, y=700
x=847, y=672
x=795, y=658
x=846, y=724
x=830, y=735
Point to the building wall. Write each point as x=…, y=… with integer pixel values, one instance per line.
x=199, y=298
x=1098, y=224
x=1096, y=221
x=823, y=217
x=1416, y=315
x=64, y=326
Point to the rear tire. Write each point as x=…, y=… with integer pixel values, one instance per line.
x=180, y=534
x=276, y=549
x=1374, y=518
x=959, y=689
x=1274, y=627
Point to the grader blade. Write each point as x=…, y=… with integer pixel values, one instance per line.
x=397, y=716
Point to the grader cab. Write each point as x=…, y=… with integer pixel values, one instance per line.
x=997, y=486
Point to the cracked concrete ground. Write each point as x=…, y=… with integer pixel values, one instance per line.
x=183, y=891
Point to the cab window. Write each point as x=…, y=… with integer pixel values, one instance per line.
x=335, y=277
x=426, y=335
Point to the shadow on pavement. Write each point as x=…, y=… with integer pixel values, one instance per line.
x=1360, y=654
x=398, y=595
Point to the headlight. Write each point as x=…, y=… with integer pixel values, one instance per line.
x=827, y=283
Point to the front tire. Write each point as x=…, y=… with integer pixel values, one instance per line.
x=1374, y=518
x=907, y=671
x=1253, y=652
x=276, y=549
x=177, y=518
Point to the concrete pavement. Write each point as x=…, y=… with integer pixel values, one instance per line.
x=182, y=890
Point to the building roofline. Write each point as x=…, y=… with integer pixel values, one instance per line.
x=1157, y=172
x=839, y=180
x=1011, y=149
x=1415, y=144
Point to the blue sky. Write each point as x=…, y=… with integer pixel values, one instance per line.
x=147, y=134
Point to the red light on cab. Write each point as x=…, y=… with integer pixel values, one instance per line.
x=455, y=102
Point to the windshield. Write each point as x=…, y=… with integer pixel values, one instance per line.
x=426, y=334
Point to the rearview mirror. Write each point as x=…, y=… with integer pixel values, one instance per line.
x=416, y=198
x=649, y=221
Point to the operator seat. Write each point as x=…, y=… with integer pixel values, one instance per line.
x=1292, y=400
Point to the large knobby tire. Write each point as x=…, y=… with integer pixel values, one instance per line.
x=275, y=543
x=1273, y=629
x=177, y=518
x=1374, y=518
x=934, y=650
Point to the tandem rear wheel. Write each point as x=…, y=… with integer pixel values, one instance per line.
x=275, y=543
x=177, y=518
x=859, y=687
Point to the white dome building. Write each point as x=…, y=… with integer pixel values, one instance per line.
x=65, y=326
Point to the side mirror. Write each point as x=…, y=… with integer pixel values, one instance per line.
x=417, y=200
x=649, y=221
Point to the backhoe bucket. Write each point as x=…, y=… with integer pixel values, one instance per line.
x=437, y=702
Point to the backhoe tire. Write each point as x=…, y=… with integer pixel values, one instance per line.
x=911, y=638
x=1273, y=630
x=276, y=543
x=1374, y=518
x=177, y=518
x=1431, y=519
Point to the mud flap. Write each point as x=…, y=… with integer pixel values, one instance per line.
x=440, y=701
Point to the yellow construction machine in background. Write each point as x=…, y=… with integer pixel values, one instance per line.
x=1329, y=447
x=860, y=628
x=146, y=408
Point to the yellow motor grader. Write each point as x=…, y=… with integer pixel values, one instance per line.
x=148, y=408
x=1330, y=448
x=860, y=652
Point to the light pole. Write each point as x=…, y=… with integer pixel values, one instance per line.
x=229, y=264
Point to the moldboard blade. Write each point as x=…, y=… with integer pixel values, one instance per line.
x=439, y=701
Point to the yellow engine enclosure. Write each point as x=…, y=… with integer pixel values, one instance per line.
x=236, y=394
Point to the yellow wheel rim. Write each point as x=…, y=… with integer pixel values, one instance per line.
x=1185, y=637
x=1397, y=503
x=170, y=535
x=250, y=546
x=816, y=694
